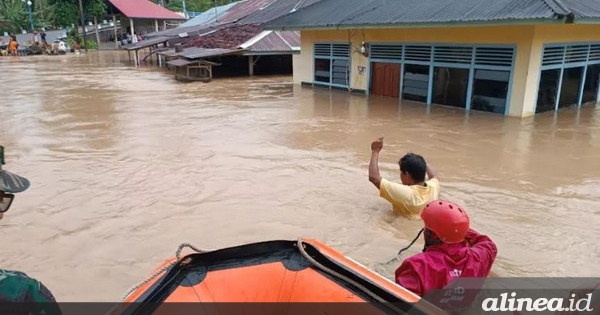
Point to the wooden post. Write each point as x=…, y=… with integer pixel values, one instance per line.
x=97, y=32
x=115, y=23
x=251, y=65
x=83, y=26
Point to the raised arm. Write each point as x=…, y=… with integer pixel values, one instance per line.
x=431, y=173
x=483, y=247
x=374, y=176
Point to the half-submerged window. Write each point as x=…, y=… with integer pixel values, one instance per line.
x=332, y=64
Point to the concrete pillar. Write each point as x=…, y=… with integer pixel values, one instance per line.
x=115, y=24
x=131, y=26
x=251, y=65
x=532, y=81
x=156, y=25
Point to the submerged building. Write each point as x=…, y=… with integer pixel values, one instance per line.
x=510, y=57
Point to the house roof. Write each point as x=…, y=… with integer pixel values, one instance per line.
x=394, y=13
x=244, y=8
x=240, y=27
x=199, y=52
x=231, y=14
x=275, y=9
x=273, y=42
x=209, y=16
x=192, y=31
x=144, y=9
x=146, y=43
x=228, y=37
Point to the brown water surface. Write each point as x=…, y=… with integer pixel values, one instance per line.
x=126, y=164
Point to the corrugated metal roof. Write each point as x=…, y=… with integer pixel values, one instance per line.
x=291, y=37
x=275, y=9
x=144, y=9
x=273, y=41
x=243, y=9
x=197, y=29
x=208, y=16
x=583, y=9
x=197, y=52
x=146, y=43
x=349, y=13
x=179, y=62
x=238, y=10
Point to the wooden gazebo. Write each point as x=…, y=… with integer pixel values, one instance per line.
x=193, y=70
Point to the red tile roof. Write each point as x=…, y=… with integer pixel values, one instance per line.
x=144, y=9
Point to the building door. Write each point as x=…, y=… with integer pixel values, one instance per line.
x=385, y=79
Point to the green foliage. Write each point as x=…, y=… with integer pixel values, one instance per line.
x=65, y=13
x=73, y=38
x=193, y=5
x=14, y=15
x=91, y=44
x=95, y=8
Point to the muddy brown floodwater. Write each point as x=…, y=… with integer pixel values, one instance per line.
x=126, y=164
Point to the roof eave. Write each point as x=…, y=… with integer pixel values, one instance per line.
x=587, y=20
x=505, y=22
x=156, y=18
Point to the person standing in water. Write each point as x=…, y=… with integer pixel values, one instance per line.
x=19, y=292
x=410, y=197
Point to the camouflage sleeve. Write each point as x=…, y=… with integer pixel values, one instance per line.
x=25, y=295
x=41, y=299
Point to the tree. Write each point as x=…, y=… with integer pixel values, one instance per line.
x=14, y=15
x=97, y=9
x=66, y=13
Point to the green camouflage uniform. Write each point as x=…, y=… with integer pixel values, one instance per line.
x=23, y=295
x=19, y=293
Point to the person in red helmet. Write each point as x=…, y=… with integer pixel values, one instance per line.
x=452, y=249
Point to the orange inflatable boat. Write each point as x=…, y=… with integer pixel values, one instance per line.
x=273, y=273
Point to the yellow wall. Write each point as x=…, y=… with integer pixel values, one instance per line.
x=529, y=40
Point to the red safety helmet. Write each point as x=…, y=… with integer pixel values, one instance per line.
x=447, y=220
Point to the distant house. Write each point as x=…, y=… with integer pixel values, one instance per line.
x=511, y=57
x=142, y=15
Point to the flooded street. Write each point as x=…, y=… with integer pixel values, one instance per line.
x=126, y=164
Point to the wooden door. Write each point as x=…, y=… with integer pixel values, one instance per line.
x=385, y=79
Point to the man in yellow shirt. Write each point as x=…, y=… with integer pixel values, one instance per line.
x=409, y=198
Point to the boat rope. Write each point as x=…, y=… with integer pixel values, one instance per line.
x=411, y=243
x=378, y=298
x=405, y=248
x=163, y=269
